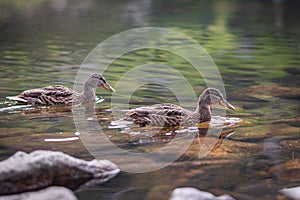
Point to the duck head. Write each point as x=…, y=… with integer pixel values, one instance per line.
x=97, y=80
x=213, y=96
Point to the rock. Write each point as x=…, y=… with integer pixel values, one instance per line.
x=268, y=91
x=288, y=171
x=39, y=169
x=293, y=193
x=293, y=145
x=51, y=193
x=188, y=193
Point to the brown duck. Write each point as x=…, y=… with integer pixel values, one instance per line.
x=60, y=95
x=172, y=115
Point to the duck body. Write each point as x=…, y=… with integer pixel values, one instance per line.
x=173, y=115
x=61, y=95
x=164, y=115
x=51, y=95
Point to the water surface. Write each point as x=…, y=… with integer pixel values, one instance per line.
x=255, y=45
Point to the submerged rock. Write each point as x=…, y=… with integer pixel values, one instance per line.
x=39, y=169
x=293, y=145
x=268, y=91
x=288, y=171
x=51, y=193
x=188, y=193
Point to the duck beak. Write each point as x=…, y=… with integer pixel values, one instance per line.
x=226, y=104
x=107, y=87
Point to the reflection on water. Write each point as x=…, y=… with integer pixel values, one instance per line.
x=255, y=44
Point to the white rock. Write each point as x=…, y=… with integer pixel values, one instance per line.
x=189, y=193
x=39, y=169
x=51, y=193
x=293, y=193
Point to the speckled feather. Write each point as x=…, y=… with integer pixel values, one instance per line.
x=160, y=115
x=51, y=95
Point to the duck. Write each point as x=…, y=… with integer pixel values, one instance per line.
x=61, y=95
x=170, y=115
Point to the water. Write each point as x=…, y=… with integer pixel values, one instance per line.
x=255, y=45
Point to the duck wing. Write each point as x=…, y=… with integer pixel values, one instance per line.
x=51, y=95
x=158, y=115
x=165, y=109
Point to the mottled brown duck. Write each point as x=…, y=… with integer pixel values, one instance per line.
x=60, y=95
x=172, y=115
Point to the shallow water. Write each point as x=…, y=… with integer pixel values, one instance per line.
x=255, y=45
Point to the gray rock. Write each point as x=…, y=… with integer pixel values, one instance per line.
x=39, y=169
x=189, y=193
x=51, y=193
x=293, y=193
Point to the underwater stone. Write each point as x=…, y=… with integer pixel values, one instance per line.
x=39, y=169
x=288, y=171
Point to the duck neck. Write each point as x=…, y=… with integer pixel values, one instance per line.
x=88, y=93
x=204, y=112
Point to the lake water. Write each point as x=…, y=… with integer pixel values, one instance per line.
x=255, y=45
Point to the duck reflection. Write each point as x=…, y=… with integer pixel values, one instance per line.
x=206, y=139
